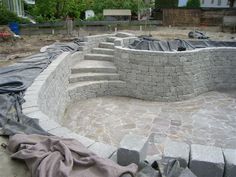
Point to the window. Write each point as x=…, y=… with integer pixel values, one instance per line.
x=212, y=1
x=219, y=2
x=203, y=2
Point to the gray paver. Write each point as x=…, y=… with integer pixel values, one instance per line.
x=84, y=140
x=230, y=162
x=187, y=173
x=102, y=150
x=176, y=150
x=132, y=149
x=206, y=161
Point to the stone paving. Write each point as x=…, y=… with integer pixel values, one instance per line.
x=209, y=119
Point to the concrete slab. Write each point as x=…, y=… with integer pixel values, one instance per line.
x=206, y=161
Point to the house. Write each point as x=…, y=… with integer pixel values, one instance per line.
x=215, y=3
x=17, y=6
x=209, y=3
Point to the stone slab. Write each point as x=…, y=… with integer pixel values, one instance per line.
x=187, y=173
x=103, y=150
x=230, y=162
x=49, y=125
x=177, y=150
x=132, y=149
x=60, y=131
x=206, y=161
x=84, y=140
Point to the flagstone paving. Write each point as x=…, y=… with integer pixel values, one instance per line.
x=209, y=119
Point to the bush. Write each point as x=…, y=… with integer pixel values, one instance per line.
x=193, y=4
x=97, y=17
x=7, y=17
x=166, y=3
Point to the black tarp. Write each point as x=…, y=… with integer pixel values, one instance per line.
x=147, y=43
x=15, y=79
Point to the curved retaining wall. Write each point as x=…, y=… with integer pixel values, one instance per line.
x=173, y=76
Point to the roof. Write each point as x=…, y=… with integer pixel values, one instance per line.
x=117, y=12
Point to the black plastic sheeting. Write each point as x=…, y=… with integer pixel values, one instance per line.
x=15, y=79
x=164, y=168
x=147, y=43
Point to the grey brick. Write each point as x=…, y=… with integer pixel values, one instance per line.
x=132, y=149
x=206, y=161
x=176, y=150
x=230, y=162
x=102, y=150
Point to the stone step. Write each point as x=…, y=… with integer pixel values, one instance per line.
x=112, y=39
x=100, y=57
x=93, y=77
x=93, y=84
x=103, y=51
x=108, y=45
x=94, y=66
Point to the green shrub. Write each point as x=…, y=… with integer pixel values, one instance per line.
x=7, y=16
x=166, y=3
x=97, y=17
x=193, y=4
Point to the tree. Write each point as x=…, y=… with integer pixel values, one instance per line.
x=166, y=3
x=231, y=3
x=193, y=4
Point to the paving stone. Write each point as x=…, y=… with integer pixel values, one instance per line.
x=132, y=149
x=60, y=131
x=38, y=115
x=84, y=140
x=176, y=150
x=49, y=125
x=102, y=150
x=230, y=162
x=206, y=161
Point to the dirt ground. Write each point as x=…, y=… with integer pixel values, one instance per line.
x=11, y=51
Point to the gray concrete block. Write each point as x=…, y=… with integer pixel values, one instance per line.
x=230, y=162
x=132, y=149
x=85, y=141
x=176, y=150
x=60, y=131
x=206, y=161
x=103, y=150
x=49, y=124
x=187, y=173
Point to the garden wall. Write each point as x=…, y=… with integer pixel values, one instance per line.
x=173, y=76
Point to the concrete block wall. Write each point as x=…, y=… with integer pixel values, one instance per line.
x=174, y=76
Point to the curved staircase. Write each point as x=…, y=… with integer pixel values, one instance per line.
x=94, y=75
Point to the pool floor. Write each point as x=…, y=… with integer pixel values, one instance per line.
x=209, y=119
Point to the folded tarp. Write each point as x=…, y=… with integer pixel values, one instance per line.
x=152, y=44
x=15, y=79
x=48, y=156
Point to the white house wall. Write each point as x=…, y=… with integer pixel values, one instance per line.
x=215, y=3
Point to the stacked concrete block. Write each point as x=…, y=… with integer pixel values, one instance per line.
x=206, y=161
x=230, y=162
x=176, y=150
x=132, y=149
